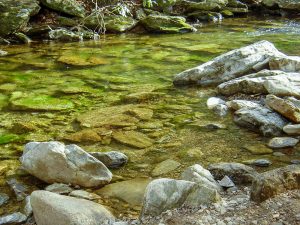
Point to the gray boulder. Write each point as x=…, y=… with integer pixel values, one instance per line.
x=50, y=208
x=239, y=104
x=274, y=182
x=282, y=142
x=285, y=63
x=54, y=162
x=238, y=173
x=14, y=15
x=261, y=120
x=217, y=105
x=164, y=194
x=62, y=34
x=201, y=176
x=287, y=108
x=70, y=7
x=230, y=65
x=13, y=219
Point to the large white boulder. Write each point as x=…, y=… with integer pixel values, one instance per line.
x=230, y=65
x=53, y=162
x=51, y=208
x=164, y=194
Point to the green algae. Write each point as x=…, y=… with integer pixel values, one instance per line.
x=7, y=138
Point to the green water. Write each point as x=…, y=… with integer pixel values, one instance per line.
x=44, y=87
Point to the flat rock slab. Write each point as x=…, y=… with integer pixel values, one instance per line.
x=165, y=167
x=274, y=182
x=130, y=191
x=261, y=120
x=285, y=107
x=230, y=65
x=14, y=218
x=133, y=139
x=53, y=162
x=258, y=149
x=50, y=208
x=282, y=142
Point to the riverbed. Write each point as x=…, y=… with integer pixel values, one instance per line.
x=45, y=88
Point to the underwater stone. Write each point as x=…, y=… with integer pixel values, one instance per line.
x=20, y=190
x=282, y=142
x=133, y=138
x=3, y=199
x=59, y=188
x=14, y=218
x=111, y=159
x=165, y=167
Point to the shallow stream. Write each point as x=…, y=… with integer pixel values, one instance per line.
x=44, y=87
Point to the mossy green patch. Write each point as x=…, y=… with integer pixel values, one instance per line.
x=7, y=138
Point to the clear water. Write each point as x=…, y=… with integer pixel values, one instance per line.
x=128, y=64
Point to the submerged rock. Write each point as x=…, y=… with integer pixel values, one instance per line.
x=260, y=120
x=20, y=189
x=84, y=194
x=166, y=24
x=70, y=7
x=164, y=194
x=84, y=136
x=217, y=105
x=239, y=173
x=34, y=102
x=285, y=107
x=258, y=149
x=261, y=162
x=3, y=53
x=54, y=162
x=111, y=159
x=130, y=191
x=13, y=219
x=274, y=182
x=50, y=208
x=228, y=66
x=14, y=15
x=282, y=142
x=165, y=167
x=133, y=139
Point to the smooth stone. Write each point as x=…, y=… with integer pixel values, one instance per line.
x=274, y=182
x=50, y=208
x=261, y=162
x=285, y=63
x=221, y=110
x=130, y=191
x=226, y=182
x=258, y=149
x=84, y=136
x=228, y=66
x=239, y=104
x=261, y=120
x=285, y=107
x=20, y=190
x=59, y=188
x=111, y=159
x=201, y=176
x=212, y=102
x=133, y=139
x=55, y=162
x=3, y=199
x=165, y=167
x=3, y=53
x=292, y=129
x=238, y=173
x=84, y=194
x=282, y=142
x=279, y=154
x=164, y=194
x=13, y=219
x=27, y=207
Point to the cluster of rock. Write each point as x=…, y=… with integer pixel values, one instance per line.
x=68, y=20
x=69, y=167
x=256, y=70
